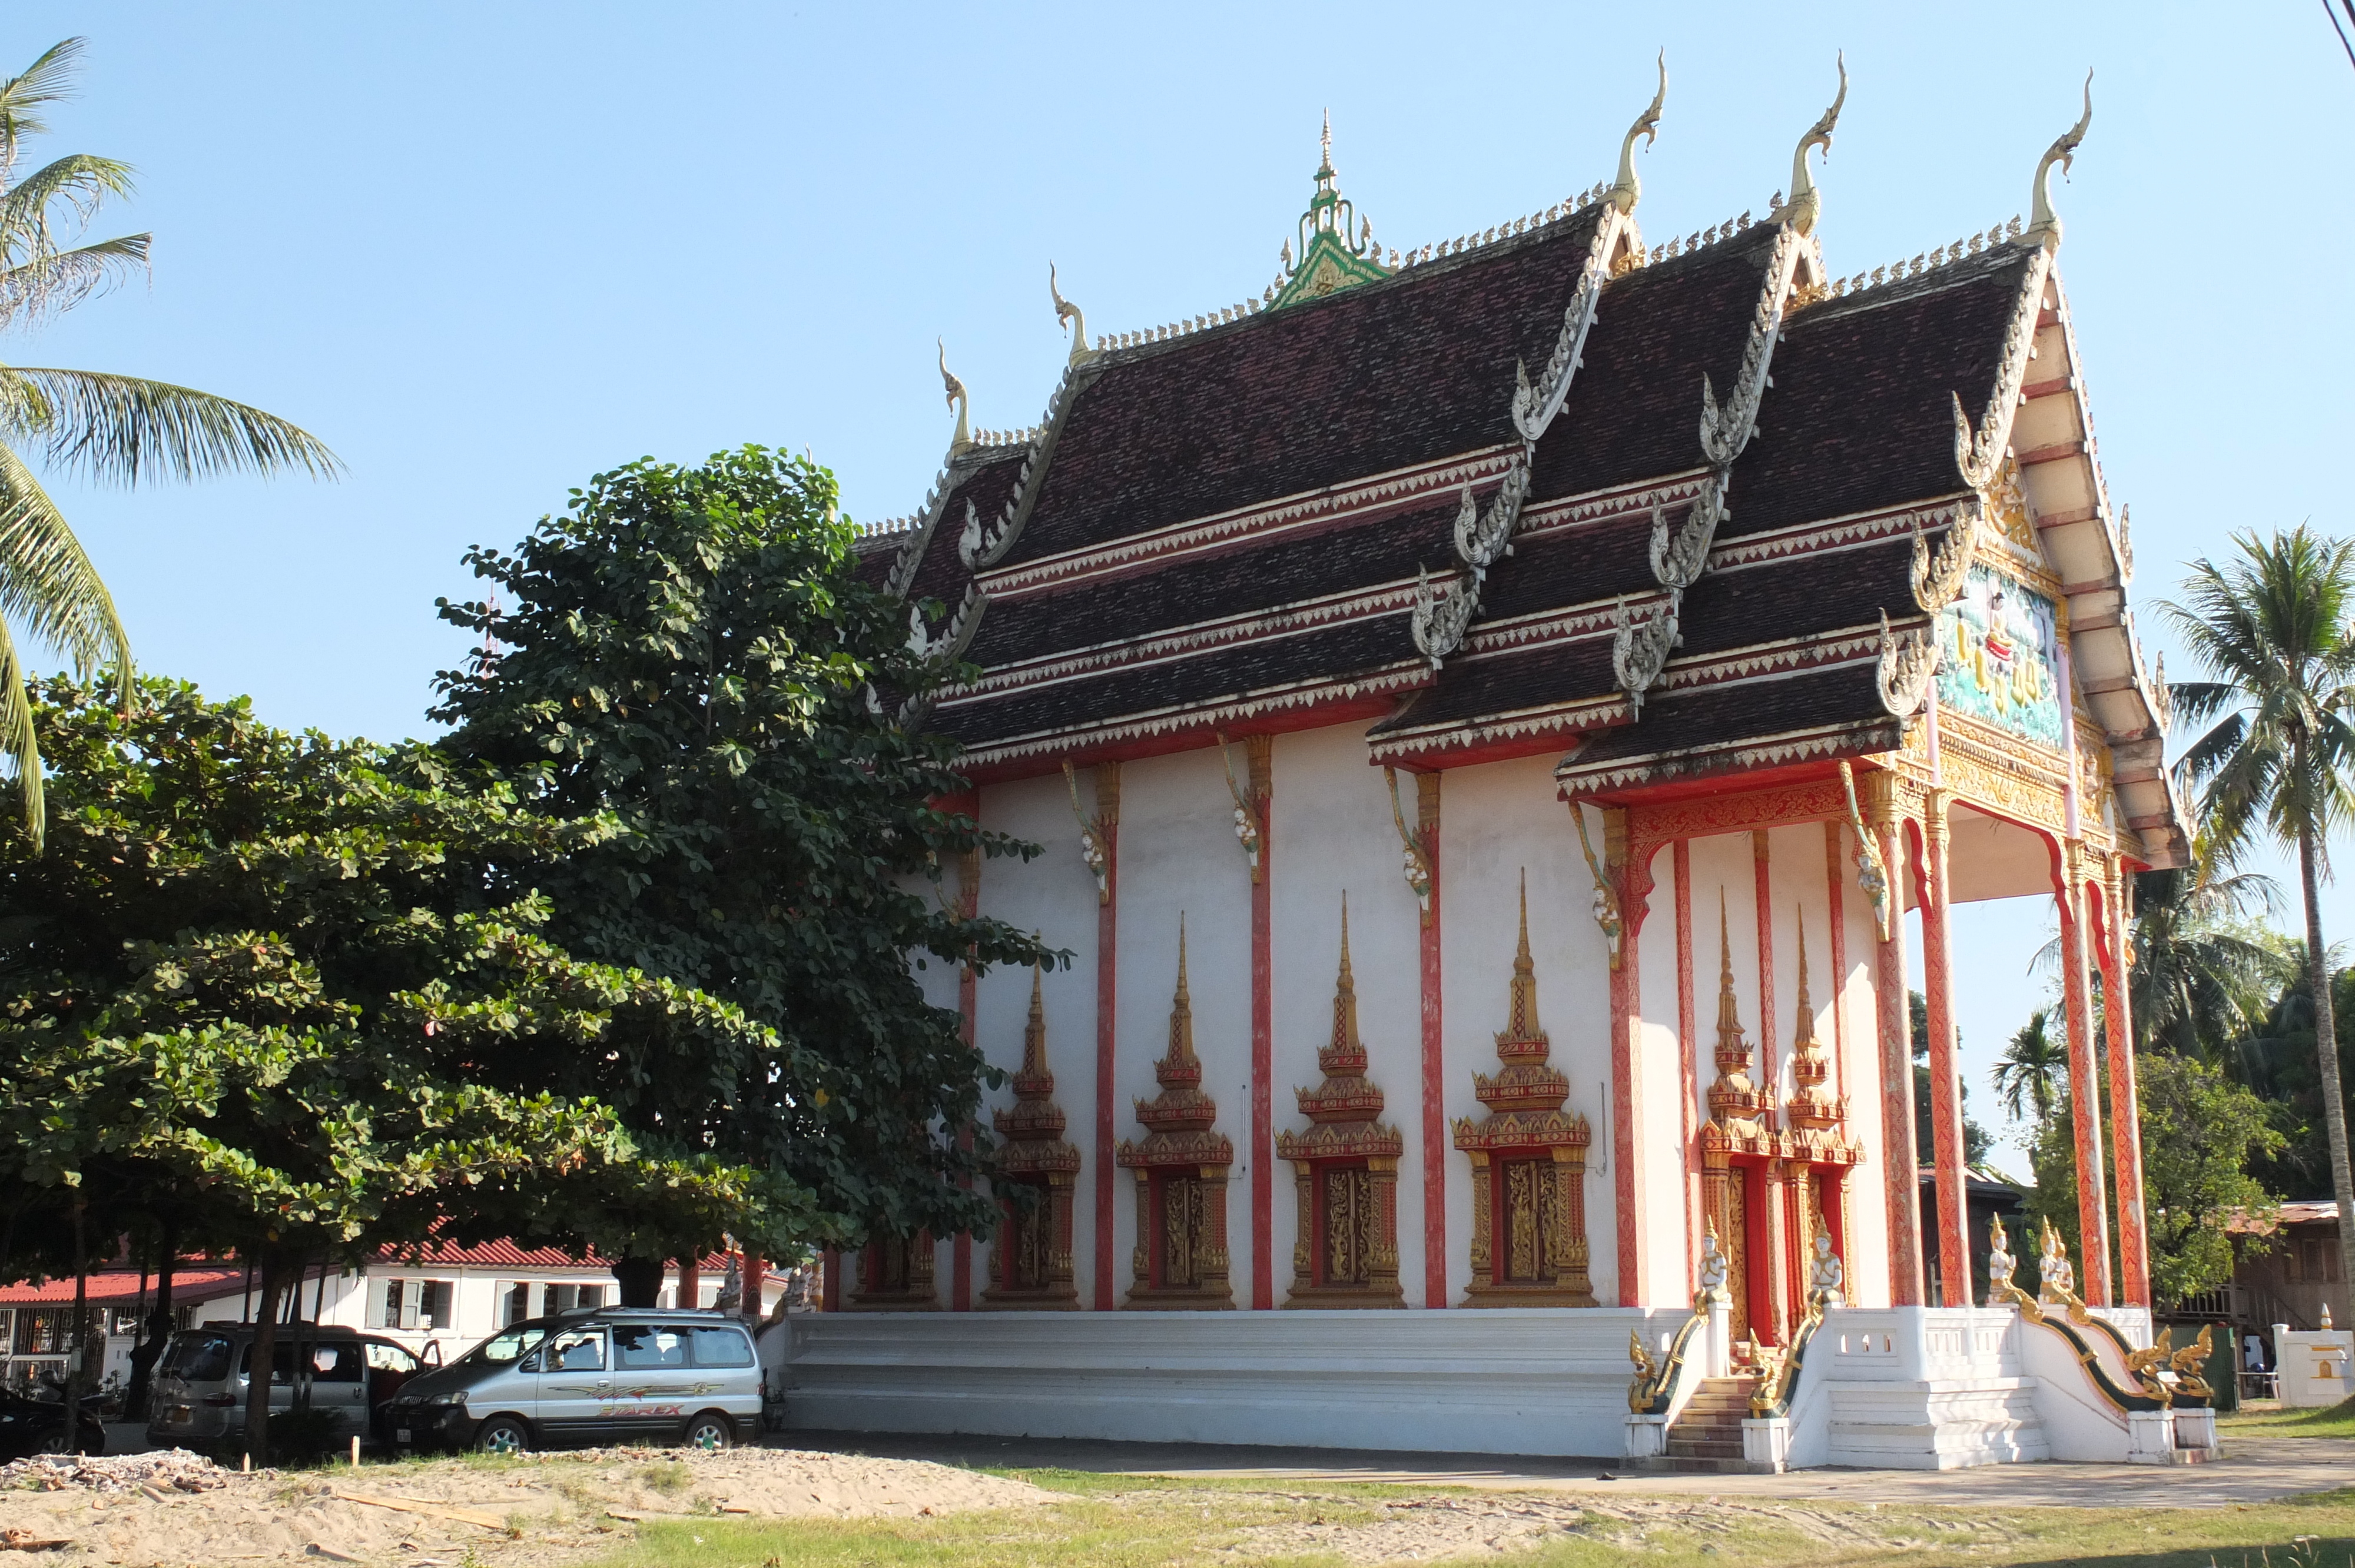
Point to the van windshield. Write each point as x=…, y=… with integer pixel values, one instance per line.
x=199, y=1358
x=500, y=1349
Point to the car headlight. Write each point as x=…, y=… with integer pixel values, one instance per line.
x=447, y=1399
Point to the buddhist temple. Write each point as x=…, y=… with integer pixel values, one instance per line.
x=1541, y=592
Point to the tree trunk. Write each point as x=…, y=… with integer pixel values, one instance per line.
x=77, y=1364
x=639, y=1280
x=2325, y=1050
x=265, y=1358
x=159, y=1328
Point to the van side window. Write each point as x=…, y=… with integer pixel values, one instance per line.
x=721, y=1348
x=576, y=1350
x=335, y=1363
x=647, y=1345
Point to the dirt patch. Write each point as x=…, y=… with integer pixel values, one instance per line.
x=537, y=1509
x=1430, y=1529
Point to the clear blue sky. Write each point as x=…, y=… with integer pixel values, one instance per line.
x=486, y=251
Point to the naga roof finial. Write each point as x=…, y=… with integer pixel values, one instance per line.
x=957, y=399
x=1626, y=190
x=2043, y=223
x=1806, y=204
x=1068, y=314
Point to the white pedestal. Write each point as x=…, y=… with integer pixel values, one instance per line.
x=2195, y=1430
x=2150, y=1437
x=2316, y=1368
x=1766, y=1444
x=1717, y=1354
x=1647, y=1439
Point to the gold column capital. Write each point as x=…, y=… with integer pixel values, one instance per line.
x=1935, y=806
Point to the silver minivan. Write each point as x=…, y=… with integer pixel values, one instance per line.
x=201, y=1382
x=613, y=1374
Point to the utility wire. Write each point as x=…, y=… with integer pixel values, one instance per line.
x=2340, y=30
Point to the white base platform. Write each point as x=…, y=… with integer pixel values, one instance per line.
x=1507, y=1381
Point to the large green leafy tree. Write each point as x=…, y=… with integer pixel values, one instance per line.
x=2272, y=629
x=288, y=995
x=114, y=428
x=688, y=650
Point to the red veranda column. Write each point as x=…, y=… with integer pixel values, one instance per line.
x=1945, y=1082
x=1261, y=749
x=2085, y=1079
x=1894, y=1027
x=1101, y=836
x=2125, y=1115
x=1633, y=889
x=1423, y=848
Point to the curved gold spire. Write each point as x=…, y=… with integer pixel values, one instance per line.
x=1068, y=314
x=957, y=399
x=1729, y=1012
x=2043, y=223
x=1627, y=190
x=1806, y=203
x=1803, y=1032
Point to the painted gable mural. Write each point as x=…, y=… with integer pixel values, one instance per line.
x=2002, y=665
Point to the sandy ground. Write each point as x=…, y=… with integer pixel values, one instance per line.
x=172, y=1509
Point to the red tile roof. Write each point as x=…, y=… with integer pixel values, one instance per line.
x=116, y=1287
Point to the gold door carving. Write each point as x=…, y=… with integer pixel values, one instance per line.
x=1180, y=1169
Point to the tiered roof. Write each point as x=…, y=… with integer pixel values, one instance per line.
x=1662, y=511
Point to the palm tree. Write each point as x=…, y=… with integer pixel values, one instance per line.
x=113, y=428
x=2203, y=978
x=2030, y=1072
x=2272, y=628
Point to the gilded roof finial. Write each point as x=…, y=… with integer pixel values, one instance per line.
x=1336, y=247
x=2043, y=223
x=1729, y=1012
x=1344, y=1044
x=1034, y=1033
x=1803, y=1033
x=1805, y=203
x=957, y=399
x=1182, y=1006
x=1628, y=189
x=1068, y=314
x=1525, y=974
x=1324, y=146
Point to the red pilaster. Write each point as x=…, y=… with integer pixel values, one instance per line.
x=829, y=1289
x=2125, y=1115
x=1107, y=829
x=968, y=1029
x=1894, y=1026
x=2085, y=1079
x=1769, y=1070
x=756, y=1283
x=1627, y=1064
x=1776, y=1214
x=1835, y=899
x=1945, y=1082
x=1434, y=1079
x=1263, y=1056
x=1688, y=1046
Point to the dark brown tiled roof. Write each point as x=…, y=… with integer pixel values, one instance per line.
x=1687, y=730
x=1417, y=367
x=1862, y=413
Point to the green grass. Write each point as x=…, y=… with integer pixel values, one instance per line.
x=1118, y=1521
x=2332, y=1421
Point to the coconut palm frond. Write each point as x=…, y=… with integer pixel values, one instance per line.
x=2034, y=1064
x=79, y=182
x=34, y=291
x=46, y=583
x=17, y=741
x=48, y=80
x=125, y=429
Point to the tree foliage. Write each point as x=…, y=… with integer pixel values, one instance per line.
x=689, y=652
x=288, y=996
x=2273, y=630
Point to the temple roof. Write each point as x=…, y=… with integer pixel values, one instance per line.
x=1469, y=494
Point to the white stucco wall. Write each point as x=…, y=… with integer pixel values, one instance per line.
x=1055, y=897
x=1660, y=1145
x=1332, y=831
x=1498, y=819
x=1867, y=1209
x=1178, y=854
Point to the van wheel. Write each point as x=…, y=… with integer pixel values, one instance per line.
x=710, y=1432
x=502, y=1435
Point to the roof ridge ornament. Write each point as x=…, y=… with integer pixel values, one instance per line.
x=1806, y=204
x=1627, y=190
x=1068, y=314
x=2043, y=223
x=957, y=398
x=1331, y=260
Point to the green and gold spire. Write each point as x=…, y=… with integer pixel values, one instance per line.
x=1331, y=260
